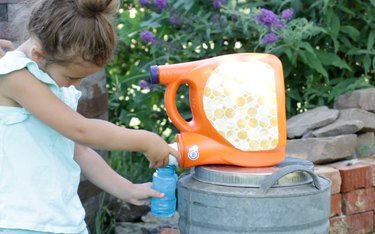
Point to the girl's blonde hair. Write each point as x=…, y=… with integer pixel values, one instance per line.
x=71, y=29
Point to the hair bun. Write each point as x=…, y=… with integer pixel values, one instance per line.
x=91, y=8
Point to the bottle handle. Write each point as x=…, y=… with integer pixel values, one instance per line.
x=272, y=179
x=171, y=108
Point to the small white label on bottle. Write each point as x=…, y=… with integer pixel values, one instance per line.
x=193, y=153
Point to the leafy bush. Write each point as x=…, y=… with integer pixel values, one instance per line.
x=326, y=47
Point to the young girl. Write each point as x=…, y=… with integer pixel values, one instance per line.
x=44, y=142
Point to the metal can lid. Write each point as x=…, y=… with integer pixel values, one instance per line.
x=236, y=176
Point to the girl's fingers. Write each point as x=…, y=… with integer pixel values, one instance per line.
x=175, y=153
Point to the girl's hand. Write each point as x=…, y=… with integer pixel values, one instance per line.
x=5, y=45
x=158, y=152
x=140, y=194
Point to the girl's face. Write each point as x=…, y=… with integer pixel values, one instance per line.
x=69, y=74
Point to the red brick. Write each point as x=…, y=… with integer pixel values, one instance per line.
x=361, y=223
x=357, y=201
x=169, y=231
x=371, y=162
x=355, y=176
x=332, y=174
x=336, y=204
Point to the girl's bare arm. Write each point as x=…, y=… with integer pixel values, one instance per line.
x=30, y=93
x=98, y=172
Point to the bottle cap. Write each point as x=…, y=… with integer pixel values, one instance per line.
x=172, y=159
x=154, y=74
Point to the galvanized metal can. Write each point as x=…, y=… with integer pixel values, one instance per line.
x=288, y=198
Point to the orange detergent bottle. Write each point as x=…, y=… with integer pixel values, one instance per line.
x=237, y=103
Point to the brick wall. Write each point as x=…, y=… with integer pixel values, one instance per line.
x=352, y=195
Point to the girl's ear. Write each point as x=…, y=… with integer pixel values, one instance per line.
x=37, y=53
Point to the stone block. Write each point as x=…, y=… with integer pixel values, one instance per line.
x=298, y=125
x=324, y=149
x=365, y=145
x=362, y=98
x=339, y=127
x=366, y=117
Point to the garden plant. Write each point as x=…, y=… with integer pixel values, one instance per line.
x=326, y=48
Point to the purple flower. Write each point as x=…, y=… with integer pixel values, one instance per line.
x=287, y=14
x=217, y=3
x=161, y=4
x=148, y=37
x=279, y=25
x=266, y=17
x=143, y=2
x=215, y=18
x=144, y=84
x=269, y=38
x=175, y=20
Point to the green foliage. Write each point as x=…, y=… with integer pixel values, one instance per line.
x=104, y=220
x=326, y=49
x=131, y=166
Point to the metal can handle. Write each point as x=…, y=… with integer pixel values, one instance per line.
x=269, y=181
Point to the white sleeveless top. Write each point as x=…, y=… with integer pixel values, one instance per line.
x=38, y=176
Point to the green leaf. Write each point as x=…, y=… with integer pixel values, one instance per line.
x=367, y=63
x=346, y=10
x=307, y=46
x=288, y=52
x=309, y=57
x=328, y=58
x=371, y=40
x=294, y=94
x=187, y=5
x=372, y=2
x=356, y=51
x=333, y=22
x=153, y=22
x=232, y=4
x=352, y=32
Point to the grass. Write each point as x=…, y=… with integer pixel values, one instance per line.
x=134, y=167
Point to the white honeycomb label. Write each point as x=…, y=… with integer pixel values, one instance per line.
x=240, y=102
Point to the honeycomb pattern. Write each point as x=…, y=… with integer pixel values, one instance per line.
x=240, y=102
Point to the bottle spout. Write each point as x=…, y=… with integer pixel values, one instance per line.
x=170, y=73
